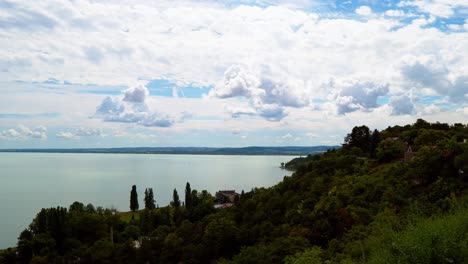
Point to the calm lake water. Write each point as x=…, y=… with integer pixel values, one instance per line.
x=31, y=181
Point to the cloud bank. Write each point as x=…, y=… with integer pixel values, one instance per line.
x=78, y=133
x=22, y=132
x=273, y=67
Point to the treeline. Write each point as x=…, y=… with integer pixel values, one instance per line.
x=362, y=203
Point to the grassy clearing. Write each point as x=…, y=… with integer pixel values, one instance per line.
x=127, y=216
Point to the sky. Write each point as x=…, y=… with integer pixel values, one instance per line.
x=133, y=73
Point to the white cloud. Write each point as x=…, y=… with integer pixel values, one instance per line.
x=66, y=135
x=464, y=111
x=312, y=135
x=22, y=132
x=276, y=59
x=363, y=11
x=353, y=96
x=87, y=132
x=78, y=133
x=455, y=27
x=394, y=13
x=237, y=112
x=137, y=94
x=132, y=107
x=430, y=110
x=287, y=136
x=434, y=75
x=268, y=93
x=439, y=8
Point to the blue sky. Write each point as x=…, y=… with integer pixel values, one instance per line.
x=226, y=73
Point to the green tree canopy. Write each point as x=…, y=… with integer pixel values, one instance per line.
x=359, y=137
x=390, y=149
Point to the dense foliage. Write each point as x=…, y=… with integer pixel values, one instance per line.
x=367, y=202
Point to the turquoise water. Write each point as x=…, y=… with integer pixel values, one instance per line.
x=31, y=181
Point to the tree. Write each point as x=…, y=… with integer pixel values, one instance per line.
x=188, y=196
x=149, y=199
x=461, y=160
x=374, y=142
x=175, y=199
x=429, y=137
x=390, y=149
x=220, y=237
x=310, y=256
x=421, y=123
x=24, y=248
x=77, y=207
x=133, y=199
x=359, y=137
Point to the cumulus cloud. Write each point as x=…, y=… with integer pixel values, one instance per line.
x=355, y=96
x=78, y=133
x=364, y=11
x=401, y=105
x=268, y=93
x=132, y=107
x=137, y=94
x=22, y=132
x=436, y=76
x=271, y=112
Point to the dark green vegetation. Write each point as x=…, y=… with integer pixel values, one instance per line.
x=134, y=199
x=295, y=151
x=367, y=202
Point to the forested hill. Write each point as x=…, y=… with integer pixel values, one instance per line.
x=392, y=196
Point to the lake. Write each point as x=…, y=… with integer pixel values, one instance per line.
x=31, y=181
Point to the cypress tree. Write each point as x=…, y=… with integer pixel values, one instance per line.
x=175, y=199
x=145, y=200
x=149, y=199
x=188, y=196
x=133, y=199
x=374, y=142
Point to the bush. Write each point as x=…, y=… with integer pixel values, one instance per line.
x=440, y=240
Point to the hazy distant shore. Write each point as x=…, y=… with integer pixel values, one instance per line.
x=293, y=151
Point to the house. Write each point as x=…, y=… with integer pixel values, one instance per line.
x=226, y=196
x=222, y=206
x=409, y=154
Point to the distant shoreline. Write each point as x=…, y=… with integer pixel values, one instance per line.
x=287, y=151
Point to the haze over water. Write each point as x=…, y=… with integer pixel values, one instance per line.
x=31, y=181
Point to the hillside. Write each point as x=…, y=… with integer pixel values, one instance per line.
x=393, y=196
